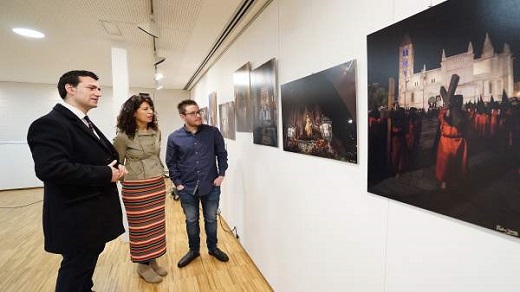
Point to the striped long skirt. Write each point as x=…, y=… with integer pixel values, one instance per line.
x=144, y=202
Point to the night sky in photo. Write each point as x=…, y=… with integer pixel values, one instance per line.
x=449, y=26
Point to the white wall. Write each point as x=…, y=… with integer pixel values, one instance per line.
x=309, y=223
x=22, y=103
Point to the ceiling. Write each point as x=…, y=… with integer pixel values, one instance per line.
x=192, y=34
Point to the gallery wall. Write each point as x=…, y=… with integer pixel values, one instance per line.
x=21, y=103
x=308, y=222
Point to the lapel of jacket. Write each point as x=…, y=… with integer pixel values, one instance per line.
x=102, y=139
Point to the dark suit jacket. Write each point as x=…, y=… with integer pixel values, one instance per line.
x=80, y=203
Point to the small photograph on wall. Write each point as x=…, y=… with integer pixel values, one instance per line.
x=444, y=112
x=319, y=114
x=213, y=109
x=204, y=114
x=243, y=101
x=227, y=119
x=265, y=104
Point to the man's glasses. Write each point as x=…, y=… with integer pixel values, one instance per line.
x=197, y=113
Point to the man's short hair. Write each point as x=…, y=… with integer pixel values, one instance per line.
x=72, y=78
x=183, y=104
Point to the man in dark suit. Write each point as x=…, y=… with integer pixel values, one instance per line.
x=79, y=170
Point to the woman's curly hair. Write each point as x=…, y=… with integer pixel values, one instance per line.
x=126, y=120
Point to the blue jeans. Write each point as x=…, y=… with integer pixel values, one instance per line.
x=190, y=205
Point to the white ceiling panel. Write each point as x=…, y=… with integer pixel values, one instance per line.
x=76, y=38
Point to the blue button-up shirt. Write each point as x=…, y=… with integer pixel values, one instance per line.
x=191, y=158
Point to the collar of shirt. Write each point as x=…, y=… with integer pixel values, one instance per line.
x=75, y=111
x=190, y=132
x=148, y=132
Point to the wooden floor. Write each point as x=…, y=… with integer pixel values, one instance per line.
x=25, y=266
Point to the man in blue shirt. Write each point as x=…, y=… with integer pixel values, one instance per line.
x=190, y=157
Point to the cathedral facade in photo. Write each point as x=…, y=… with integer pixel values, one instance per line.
x=486, y=76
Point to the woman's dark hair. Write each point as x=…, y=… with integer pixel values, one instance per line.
x=72, y=78
x=126, y=120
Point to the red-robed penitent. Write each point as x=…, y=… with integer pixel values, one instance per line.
x=452, y=153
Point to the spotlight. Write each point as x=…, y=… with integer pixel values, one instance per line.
x=158, y=76
x=158, y=85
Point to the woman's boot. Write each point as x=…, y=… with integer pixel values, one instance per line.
x=158, y=269
x=148, y=274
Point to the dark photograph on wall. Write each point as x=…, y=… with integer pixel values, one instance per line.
x=243, y=101
x=204, y=114
x=227, y=119
x=319, y=114
x=265, y=104
x=444, y=112
x=213, y=109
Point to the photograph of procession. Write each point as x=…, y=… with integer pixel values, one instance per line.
x=444, y=112
x=319, y=114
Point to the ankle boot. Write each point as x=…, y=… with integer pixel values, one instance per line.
x=158, y=269
x=147, y=273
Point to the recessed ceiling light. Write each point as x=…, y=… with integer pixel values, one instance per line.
x=30, y=33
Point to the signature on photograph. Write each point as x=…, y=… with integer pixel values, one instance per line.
x=507, y=231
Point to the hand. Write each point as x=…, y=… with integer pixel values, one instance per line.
x=122, y=170
x=180, y=187
x=117, y=173
x=218, y=181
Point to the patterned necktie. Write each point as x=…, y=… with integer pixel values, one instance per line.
x=90, y=124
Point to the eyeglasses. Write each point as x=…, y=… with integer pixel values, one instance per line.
x=197, y=113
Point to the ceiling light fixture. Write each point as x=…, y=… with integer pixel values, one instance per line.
x=151, y=29
x=30, y=33
x=158, y=75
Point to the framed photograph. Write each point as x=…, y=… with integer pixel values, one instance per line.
x=204, y=114
x=227, y=119
x=319, y=114
x=265, y=104
x=444, y=112
x=213, y=109
x=243, y=101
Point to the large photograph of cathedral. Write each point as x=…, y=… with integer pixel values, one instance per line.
x=319, y=114
x=444, y=112
x=265, y=104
